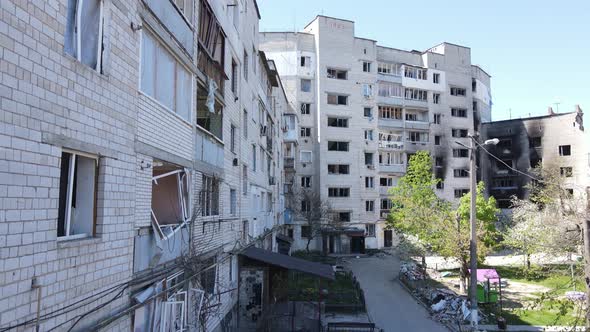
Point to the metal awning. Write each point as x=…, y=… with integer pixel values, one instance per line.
x=290, y=263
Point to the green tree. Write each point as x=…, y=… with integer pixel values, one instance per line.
x=417, y=211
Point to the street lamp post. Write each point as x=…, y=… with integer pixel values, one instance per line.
x=473, y=225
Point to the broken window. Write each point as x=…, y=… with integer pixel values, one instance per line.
x=254, y=157
x=234, y=77
x=534, y=142
x=305, y=108
x=305, y=131
x=306, y=181
x=387, y=112
x=210, y=196
x=305, y=61
x=338, y=192
x=369, y=182
x=436, y=140
x=566, y=171
x=368, y=112
x=458, y=91
x=337, y=73
x=164, y=78
x=436, y=78
x=245, y=230
x=565, y=150
x=209, y=113
x=334, y=99
x=389, y=68
x=305, y=85
x=460, y=173
x=77, y=195
x=416, y=94
x=245, y=180
x=208, y=277
x=337, y=146
x=459, y=112
x=305, y=206
x=84, y=32
x=459, y=132
x=343, y=216
x=337, y=122
x=171, y=208
x=369, y=134
x=368, y=158
x=366, y=66
x=338, y=169
x=460, y=192
x=460, y=153
x=437, y=118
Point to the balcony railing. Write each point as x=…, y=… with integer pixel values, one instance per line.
x=391, y=145
x=392, y=168
x=417, y=125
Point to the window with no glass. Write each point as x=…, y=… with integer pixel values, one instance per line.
x=455, y=91
x=338, y=192
x=459, y=132
x=460, y=153
x=366, y=66
x=305, y=131
x=306, y=181
x=337, y=73
x=459, y=112
x=370, y=230
x=337, y=146
x=369, y=206
x=305, y=108
x=77, y=195
x=460, y=173
x=337, y=122
x=565, y=150
x=461, y=192
x=334, y=99
x=338, y=169
x=305, y=61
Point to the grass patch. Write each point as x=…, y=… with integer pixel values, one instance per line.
x=555, y=277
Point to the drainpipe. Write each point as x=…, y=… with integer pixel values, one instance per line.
x=35, y=284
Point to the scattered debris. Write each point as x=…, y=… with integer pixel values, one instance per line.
x=412, y=271
x=575, y=296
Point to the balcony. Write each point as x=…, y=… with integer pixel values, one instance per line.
x=289, y=163
x=422, y=125
x=211, y=69
x=412, y=147
x=391, y=123
x=389, y=78
x=384, y=191
x=390, y=100
x=400, y=168
x=391, y=145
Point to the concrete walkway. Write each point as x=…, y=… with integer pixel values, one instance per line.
x=390, y=306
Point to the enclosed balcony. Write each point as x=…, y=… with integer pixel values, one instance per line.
x=392, y=168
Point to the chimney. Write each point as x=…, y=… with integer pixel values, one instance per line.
x=550, y=110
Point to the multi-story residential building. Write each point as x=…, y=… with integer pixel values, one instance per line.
x=140, y=152
x=364, y=109
x=556, y=139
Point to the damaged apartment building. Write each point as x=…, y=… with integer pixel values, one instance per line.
x=140, y=153
x=550, y=140
x=363, y=109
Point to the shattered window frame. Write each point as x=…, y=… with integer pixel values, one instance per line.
x=183, y=180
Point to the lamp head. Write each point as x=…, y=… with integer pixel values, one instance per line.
x=492, y=141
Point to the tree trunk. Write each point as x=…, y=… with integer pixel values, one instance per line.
x=528, y=261
x=463, y=279
x=307, y=246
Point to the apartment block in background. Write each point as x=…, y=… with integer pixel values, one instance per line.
x=363, y=110
x=554, y=139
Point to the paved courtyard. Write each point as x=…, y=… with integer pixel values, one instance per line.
x=388, y=304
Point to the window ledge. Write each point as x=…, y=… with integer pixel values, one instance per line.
x=71, y=241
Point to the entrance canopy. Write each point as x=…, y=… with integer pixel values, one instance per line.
x=290, y=263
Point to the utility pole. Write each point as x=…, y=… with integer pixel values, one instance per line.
x=473, y=239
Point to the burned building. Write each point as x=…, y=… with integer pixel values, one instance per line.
x=555, y=138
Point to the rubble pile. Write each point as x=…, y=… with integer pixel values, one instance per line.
x=411, y=271
x=446, y=306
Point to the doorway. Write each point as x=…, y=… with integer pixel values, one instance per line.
x=387, y=238
x=357, y=245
